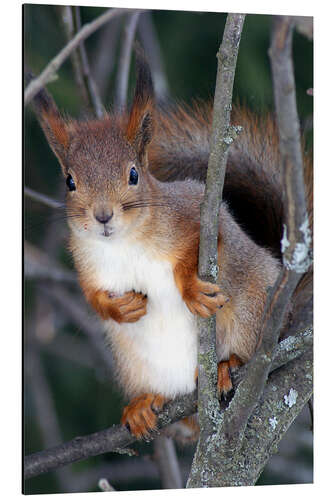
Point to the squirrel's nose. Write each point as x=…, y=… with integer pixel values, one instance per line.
x=103, y=217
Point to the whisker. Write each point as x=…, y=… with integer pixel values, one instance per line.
x=130, y=206
x=145, y=202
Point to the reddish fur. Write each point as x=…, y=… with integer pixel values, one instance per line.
x=58, y=129
x=127, y=308
x=172, y=231
x=140, y=414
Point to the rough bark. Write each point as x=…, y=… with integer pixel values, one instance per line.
x=222, y=137
x=118, y=438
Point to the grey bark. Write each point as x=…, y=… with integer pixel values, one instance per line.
x=220, y=452
x=221, y=139
x=118, y=437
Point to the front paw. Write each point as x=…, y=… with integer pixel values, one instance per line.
x=140, y=414
x=126, y=308
x=204, y=298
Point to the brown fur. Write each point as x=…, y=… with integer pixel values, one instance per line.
x=165, y=217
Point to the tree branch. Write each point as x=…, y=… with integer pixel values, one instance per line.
x=295, y=263
x=222, y=137
x=67, y=22
x=37, y=83
x=38, y=265
x=296, y=251
x=166, y=458
x=112, y=439
x=152, y=49
x=42, y=198
x=125, y=59
x=94, y=99
x=103, y=61
x=117, y=437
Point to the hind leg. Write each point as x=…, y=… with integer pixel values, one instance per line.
x=224, y=371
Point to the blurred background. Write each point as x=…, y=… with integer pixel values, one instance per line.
x=68, y=383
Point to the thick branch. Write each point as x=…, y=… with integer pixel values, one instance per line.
x=118, y=437
x=295, y=264
x=208, y=405
x=111, y=439
x=37, y=83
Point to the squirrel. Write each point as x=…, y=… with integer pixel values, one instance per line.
x=134, y=187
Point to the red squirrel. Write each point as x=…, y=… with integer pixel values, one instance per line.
x=134, y=239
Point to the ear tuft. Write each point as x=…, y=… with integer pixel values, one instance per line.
x=140, y=125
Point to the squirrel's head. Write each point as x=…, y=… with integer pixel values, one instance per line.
x=105, y=162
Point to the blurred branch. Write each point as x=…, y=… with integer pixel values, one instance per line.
x=125, y=58
x=67, y=22
x=38, y=265
x=304, y=25
x=71, y=349
x=86, y=322
x=118, y=436
x=94, y=99
x=42, y=198
x=104, y=57
x=45, y=409
x=152, y=49
x=167, y=461
x=37, y=83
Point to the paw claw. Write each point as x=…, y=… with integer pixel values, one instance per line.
x=139, y=415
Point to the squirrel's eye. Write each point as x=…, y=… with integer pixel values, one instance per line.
x=133, y=177
x=70, y=183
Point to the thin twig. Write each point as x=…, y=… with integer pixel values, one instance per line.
x=103, y=61
x=42, y=198
x=125, y=59
x=37, y=83
x=67, y=22
x=84, y=67
x=45, y=409
x=150, y=42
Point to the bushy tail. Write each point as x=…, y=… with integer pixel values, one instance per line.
x=253, y=181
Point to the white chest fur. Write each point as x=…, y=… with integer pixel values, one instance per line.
x=158, y=353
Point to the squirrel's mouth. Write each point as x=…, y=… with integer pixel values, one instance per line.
x=106, y=232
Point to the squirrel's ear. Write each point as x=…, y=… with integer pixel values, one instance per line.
x=140, y=126
x=52, y=123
